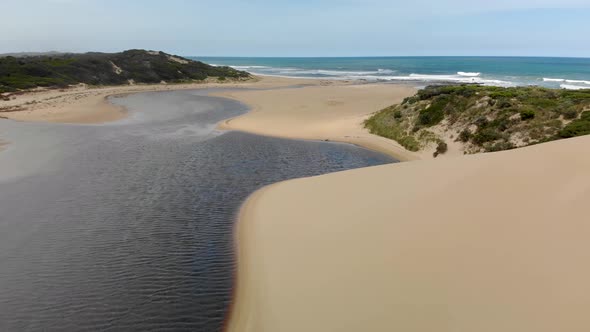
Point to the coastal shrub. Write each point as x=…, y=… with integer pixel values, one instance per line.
x=428, y=93
x=501, y=124
x=381, y=124
x=570, y=114
x=442, y=147
x=576, y=128
x=504, y=103
x=501, y=115
x=464, y=136
x=576, y=95
x=409, y=143
x=97, y=69
x=544, y=102
x=504, y=93
x=434, y=114
x=500, y=146
x=410, y=100
x=527, y=115
x=481, y=122
x=486, y=135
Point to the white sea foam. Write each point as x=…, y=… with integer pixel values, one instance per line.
x=375, y=75
x=439, y=79
x=563, y=80
x=456, y=79
x=249, y=67
x=326, y=73
x=578, y=82
x=553, y=79
x=467, y=74
x=573, y=87
x=332, y=73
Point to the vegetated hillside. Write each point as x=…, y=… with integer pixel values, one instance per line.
x=474, y=118
x=133, y=66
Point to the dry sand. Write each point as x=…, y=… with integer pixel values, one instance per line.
x=333, y=113
x=88, y=105
x=318, y=109
x=494, y=242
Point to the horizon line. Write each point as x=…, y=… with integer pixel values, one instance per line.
x=388, y=56
x=308, y=56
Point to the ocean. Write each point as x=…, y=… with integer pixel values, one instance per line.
x=567, y=73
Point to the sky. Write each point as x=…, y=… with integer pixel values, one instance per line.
x=300, y=27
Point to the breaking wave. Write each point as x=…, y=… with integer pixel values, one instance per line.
x=569, y=84
x=553, y=80
x=380, y=74
x=392, y=75
x=574, y=87
x=467, y=74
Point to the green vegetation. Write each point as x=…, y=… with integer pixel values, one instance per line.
x=441, y=148
x=139, y=66
x=577, y=127
x=385, y=124
x=527, y=114
x=434, y=113
x=484, y=119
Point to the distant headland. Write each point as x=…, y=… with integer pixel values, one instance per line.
x=59, y=70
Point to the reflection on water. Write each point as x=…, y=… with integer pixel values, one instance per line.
x=128, y=226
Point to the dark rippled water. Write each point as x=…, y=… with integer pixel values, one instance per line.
x=128, y=226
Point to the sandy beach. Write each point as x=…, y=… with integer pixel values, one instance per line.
x=493, y=242
x=334, y=113
x=88, y=105
x=283, y=107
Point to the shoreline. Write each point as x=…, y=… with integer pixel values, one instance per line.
x=81, y=105
x=88, y=105
x=321, y=113
x=241, y=305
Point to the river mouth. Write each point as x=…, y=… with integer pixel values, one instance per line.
x=128, y=225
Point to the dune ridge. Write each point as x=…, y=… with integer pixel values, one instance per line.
x=490, y=242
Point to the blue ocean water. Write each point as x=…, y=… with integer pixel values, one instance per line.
x=569, y=73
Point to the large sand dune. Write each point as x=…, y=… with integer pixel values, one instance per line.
x=485, y=243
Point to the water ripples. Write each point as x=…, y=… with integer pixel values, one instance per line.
x=130, y=227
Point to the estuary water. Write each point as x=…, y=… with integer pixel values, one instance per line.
x=128, y=226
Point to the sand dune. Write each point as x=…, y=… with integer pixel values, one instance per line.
x=494, y=242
